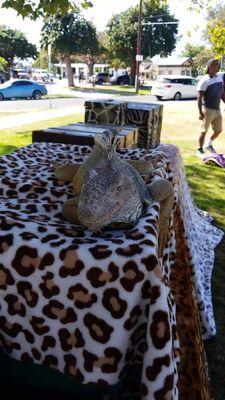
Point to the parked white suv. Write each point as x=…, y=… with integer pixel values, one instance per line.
x=42, y=75
x=174, y=87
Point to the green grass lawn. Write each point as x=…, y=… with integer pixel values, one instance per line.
x=11, y=139
x=181, y=127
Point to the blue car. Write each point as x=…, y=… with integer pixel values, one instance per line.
x=22, y=88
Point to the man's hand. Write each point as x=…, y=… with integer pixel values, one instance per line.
x=201, y=116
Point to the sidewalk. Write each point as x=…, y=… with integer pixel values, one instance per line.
x=29, y=117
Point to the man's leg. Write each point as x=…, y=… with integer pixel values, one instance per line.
x=202, y=139
x=217, y=129
x=209, y=115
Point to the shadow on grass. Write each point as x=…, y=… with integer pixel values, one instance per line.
x=207, y=186
x=215, y=348
x=6, y=149
x=210, y=197
x=100, y=89
x=24, y=134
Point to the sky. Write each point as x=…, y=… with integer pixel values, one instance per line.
x=101, y=13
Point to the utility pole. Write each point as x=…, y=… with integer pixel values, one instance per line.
x=50, y=73
x=138, y=52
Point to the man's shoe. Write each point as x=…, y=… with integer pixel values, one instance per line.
x=210, y=148
x=200, y=151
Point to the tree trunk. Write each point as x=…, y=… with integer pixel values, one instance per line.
x=69, y=70
x=90, y=64
x=8, y=70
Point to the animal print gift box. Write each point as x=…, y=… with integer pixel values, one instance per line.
x=146, y=116
x=109, y=112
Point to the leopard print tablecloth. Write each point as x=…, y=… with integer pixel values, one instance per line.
x=199, y=239
x=190, y=283
x=89, y=306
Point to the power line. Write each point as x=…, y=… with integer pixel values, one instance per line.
x=160, y=23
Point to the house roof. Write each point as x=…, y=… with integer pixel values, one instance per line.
x=173, y=61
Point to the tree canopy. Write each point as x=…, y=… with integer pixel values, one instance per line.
x=69, y=35
x=215, y=29
x=121, y=36
x=217, y=38
x=13, y=43
x=39, y=8
x=192, y=50
x=200, y=54
x=202, y=58
x=42, y=60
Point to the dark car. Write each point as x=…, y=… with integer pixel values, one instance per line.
x=101, y=77
x=120, y=80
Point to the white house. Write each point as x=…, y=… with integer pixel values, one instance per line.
x=80, y=67
x=150, y=68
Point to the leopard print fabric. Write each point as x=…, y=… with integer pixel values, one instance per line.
x=190, y=283
x=87, y=305
x=199, y=238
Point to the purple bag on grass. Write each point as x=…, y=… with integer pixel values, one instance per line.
x=214, y=158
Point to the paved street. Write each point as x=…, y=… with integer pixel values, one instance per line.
x=21, y=112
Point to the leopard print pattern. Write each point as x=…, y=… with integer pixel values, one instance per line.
x=192, y=353
x=200, y=239
x=146, y=116
x=89, y=306
x=191, y=283
x=105, y=112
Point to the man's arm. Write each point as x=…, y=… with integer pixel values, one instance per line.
x=200, y=97
x=223, y=96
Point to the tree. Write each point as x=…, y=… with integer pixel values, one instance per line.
x=3, y=64
x=69, y=35
x=94, y=52
x=197, y=53
x=217, y=38
x=202, y=58
x=40, y=8
x=215, y=30
x=42, y=60
x=13, y=43
x=121, y=37
x=192, y=50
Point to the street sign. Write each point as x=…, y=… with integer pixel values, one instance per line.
x=139, y=57
x=49, y=49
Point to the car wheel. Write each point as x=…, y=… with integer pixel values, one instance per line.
x=158, y=97
x=36, y=95
x=1, y=97
x=177, y=96
x=100, y=82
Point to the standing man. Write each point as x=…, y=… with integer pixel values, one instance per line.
x=210, y=92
